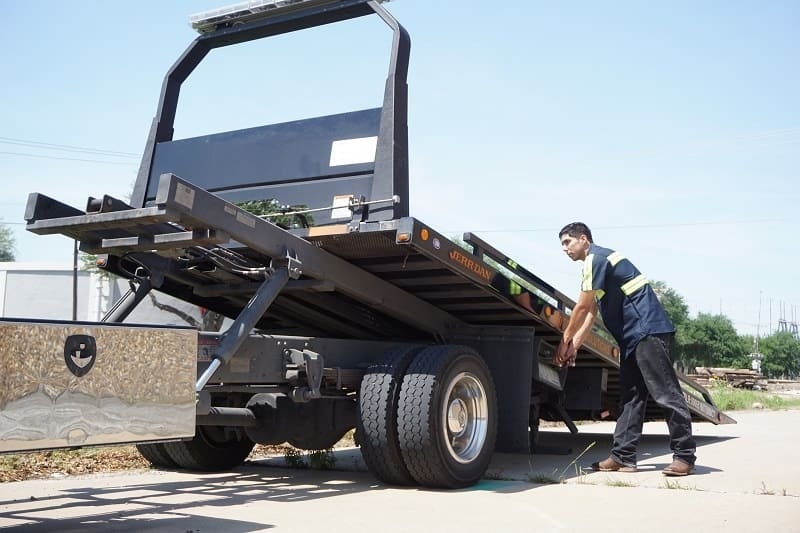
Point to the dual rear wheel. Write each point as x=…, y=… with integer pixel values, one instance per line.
x=428, y=416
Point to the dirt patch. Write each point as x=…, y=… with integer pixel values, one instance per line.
x=58, y=463
x=61, y=463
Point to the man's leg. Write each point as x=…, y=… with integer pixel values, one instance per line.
x=655, y=365
x=633, y=397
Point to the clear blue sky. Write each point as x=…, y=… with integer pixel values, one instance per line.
x=671, y=128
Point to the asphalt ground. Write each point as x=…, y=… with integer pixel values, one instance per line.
x=747, y=479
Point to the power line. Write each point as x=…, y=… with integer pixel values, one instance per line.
x=631, y=226
x=41, y=156
x=65, y=147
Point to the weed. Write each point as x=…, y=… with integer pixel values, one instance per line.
x=318, y=459
x=322, y=459
x=765, y=491
x=557, y=477
x=676, y=485
x=620, y=483
x=294, y=458
x=543, y=479
x=578, y=470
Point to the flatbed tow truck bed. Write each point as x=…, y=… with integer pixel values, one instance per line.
x=359, y=316
x=397, y=279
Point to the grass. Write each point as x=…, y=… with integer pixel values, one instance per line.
x=730, y=399
x=674, y=484
x=316, y=460
x=544, y=479
x=620, y=483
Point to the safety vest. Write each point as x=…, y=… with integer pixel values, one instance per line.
x=627, y=303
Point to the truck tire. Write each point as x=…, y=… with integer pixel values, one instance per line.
x=376, y=427
x=447, y=417
x=212, y=449
x=156, y=454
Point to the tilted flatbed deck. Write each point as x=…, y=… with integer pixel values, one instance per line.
x=396, y=279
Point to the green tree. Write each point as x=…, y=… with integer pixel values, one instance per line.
x=712, y=341
x=7, y=244
x=747, y=344
x=672, y=302
x=262, y=208
x=781, y=353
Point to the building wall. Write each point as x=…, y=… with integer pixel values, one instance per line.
x=45, y=292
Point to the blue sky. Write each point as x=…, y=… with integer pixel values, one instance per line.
x=671, y=128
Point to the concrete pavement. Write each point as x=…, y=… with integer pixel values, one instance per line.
x=747, y=480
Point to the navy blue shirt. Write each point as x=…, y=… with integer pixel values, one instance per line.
x=628, y=305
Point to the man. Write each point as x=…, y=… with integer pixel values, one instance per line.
x=634, y=316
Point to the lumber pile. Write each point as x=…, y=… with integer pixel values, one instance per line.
x=735, y=377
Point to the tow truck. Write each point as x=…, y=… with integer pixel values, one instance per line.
x=344, y=311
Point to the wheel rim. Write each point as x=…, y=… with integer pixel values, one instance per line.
x=465, y=417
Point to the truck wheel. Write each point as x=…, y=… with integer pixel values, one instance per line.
x=213, y=448
x=376, y=427
x=156, y=454
x=447, y=417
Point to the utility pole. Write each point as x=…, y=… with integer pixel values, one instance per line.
x=756, y=356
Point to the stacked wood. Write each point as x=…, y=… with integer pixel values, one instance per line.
x=735, y=377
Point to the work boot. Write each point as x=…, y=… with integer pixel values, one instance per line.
x=612, y=465
x=678, y=468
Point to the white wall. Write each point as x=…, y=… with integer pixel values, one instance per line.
x=42, y=291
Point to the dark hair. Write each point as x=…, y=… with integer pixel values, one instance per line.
x=576, y=229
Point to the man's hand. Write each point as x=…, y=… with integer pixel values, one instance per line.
x=566, y=353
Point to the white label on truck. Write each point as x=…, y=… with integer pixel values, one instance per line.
x=184, y=195
x=247, y=220
x=353, y=151
x=341, y=207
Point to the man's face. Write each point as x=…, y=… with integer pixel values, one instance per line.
x=577, y=248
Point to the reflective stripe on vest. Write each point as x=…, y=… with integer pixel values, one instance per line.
x=629, y=287
x=586, y=281
x=615, y=258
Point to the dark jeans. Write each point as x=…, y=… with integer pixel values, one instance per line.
x=649, y=371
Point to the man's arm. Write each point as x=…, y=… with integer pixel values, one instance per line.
x=580, y=324
x=582, y=319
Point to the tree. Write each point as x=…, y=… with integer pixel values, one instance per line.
x=672, y=302
x=747, y=344
x=781, y=353
x=263, y=208
x=7, y=244
x=711, y=340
